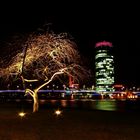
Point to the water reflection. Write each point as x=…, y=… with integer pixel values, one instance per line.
x=110, y=105
x=63, y=103
x=106, y=105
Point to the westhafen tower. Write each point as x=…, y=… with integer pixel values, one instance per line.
x=104, y=66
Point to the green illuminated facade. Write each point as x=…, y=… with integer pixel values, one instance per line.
x=104, y=66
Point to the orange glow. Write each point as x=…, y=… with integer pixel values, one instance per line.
x=45, y=57
x=118, y=86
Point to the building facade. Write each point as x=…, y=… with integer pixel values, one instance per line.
x=104, y=67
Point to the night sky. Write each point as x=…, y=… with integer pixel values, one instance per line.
x=88, y=23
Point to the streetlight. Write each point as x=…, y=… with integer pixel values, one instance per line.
x=22, y=114
x=58, y=112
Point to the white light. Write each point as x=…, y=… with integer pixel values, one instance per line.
x=22, y=114
x=58, y=112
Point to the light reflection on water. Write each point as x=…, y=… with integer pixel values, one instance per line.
x=108, y=105
x=64, y=103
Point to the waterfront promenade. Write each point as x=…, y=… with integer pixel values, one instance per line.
x=73, y=124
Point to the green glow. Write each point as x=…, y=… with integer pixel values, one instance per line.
x=106, y=105
x=104, y=70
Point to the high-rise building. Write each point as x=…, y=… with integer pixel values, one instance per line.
x=104, y=66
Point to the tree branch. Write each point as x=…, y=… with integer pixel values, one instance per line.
x=57, y=73
x=29, y=91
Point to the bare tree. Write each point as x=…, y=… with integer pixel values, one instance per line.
x=44, y=57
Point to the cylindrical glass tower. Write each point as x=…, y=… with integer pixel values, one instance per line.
x=104, y=66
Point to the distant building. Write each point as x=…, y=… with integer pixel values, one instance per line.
x=104, y=66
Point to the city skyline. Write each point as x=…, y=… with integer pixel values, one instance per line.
x=87, y=28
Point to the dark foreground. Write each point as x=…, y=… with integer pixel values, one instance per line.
x=73, y=124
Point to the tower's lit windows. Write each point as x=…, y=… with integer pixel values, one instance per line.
x=104, y=64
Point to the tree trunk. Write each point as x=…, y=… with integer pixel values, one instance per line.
x=36, y=102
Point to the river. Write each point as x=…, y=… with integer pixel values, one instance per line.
x=89, y=104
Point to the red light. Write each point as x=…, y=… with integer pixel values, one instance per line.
x=103, y=43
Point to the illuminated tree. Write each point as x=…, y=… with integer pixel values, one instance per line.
x=44, y=57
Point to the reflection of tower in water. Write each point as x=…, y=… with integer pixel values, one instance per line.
x=104, y=66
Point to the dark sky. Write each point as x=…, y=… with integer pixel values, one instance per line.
x=88, y=23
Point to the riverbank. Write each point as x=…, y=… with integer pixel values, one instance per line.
x=73, y=124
